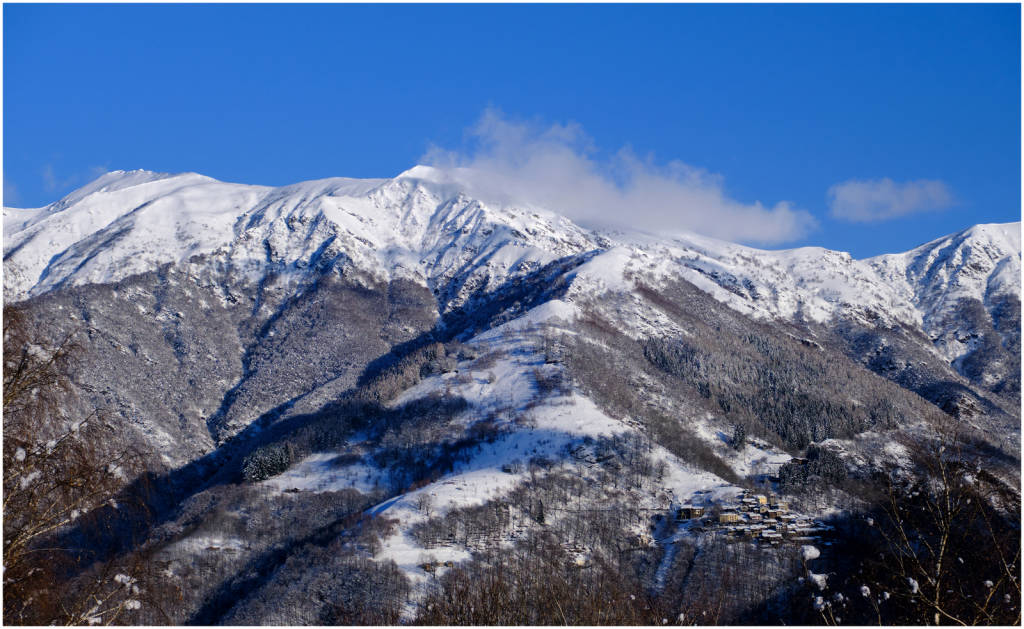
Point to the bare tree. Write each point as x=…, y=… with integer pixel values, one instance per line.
x=941, y=546
x=59, y=471
x=425, y=503
x=933, y=525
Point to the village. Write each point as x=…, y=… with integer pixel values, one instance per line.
x=765, y=518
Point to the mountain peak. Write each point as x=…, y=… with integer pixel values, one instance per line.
x=119, y=180
x=429, y=223
x=1006, y=233
x=426, y=173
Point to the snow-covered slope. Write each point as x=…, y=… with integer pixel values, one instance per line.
x=121, y=224
x=126, y=223
x=423, y=227
x=980, y=263
x=419, y=352
x=809, y=284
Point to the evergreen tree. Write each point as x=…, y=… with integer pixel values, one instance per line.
x=739, y=437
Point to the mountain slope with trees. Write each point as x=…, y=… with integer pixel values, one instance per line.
x=346, y=401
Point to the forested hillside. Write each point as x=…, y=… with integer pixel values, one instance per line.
x=387, y=402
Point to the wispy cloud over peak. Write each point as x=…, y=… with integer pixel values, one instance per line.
x=884, y=199
x=556, y=166
x=54, y=184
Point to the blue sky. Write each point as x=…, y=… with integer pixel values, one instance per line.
x=866, y=128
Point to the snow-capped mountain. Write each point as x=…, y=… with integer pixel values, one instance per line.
x=268, y=247
x=368, y=377
x=419, y=226
x=127, y=223
x=981, y=263
x=423, y=227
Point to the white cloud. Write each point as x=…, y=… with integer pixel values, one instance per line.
x=883, y=199
x=49, y=179
x=52, y=183
x=55, y=184
x=95, y=172
x=10, y=194
x=555, y=167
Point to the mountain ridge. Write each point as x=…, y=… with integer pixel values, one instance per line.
x=276, y=247
x=423, y=226
x=388, y=378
